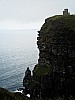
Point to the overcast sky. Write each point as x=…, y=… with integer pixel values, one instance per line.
x=28, y=14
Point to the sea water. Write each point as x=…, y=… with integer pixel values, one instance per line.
x=18, y=50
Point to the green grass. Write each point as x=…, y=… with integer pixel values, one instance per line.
x=68, y=21
x=42, y=70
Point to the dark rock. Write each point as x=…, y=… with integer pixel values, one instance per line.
x=27, y=81
x=6, y=95
x=54, y=75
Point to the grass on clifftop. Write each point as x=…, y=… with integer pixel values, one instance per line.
x=68, y=21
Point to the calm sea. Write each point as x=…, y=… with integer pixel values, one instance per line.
x=18, y=50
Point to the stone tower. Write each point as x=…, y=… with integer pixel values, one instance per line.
x=65, y=12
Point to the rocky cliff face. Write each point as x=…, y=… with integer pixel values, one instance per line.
x=54, y=75
x=56, y=42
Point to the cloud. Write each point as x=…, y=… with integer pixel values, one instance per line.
x=25, y=10
x=19, y=13
x=14, y=25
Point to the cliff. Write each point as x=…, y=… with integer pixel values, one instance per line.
x=54, y=75
x=56, y=40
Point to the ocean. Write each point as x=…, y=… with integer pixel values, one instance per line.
x=18, y=50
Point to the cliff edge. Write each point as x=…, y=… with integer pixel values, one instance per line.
x=54, y=75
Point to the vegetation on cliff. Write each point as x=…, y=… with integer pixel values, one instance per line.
x=58, y=20
x=54, y=75
x=44, y=70
x=56, y=39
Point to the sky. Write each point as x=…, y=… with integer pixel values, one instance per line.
x=30, y=14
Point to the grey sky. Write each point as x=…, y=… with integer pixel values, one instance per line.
x=22, y=14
